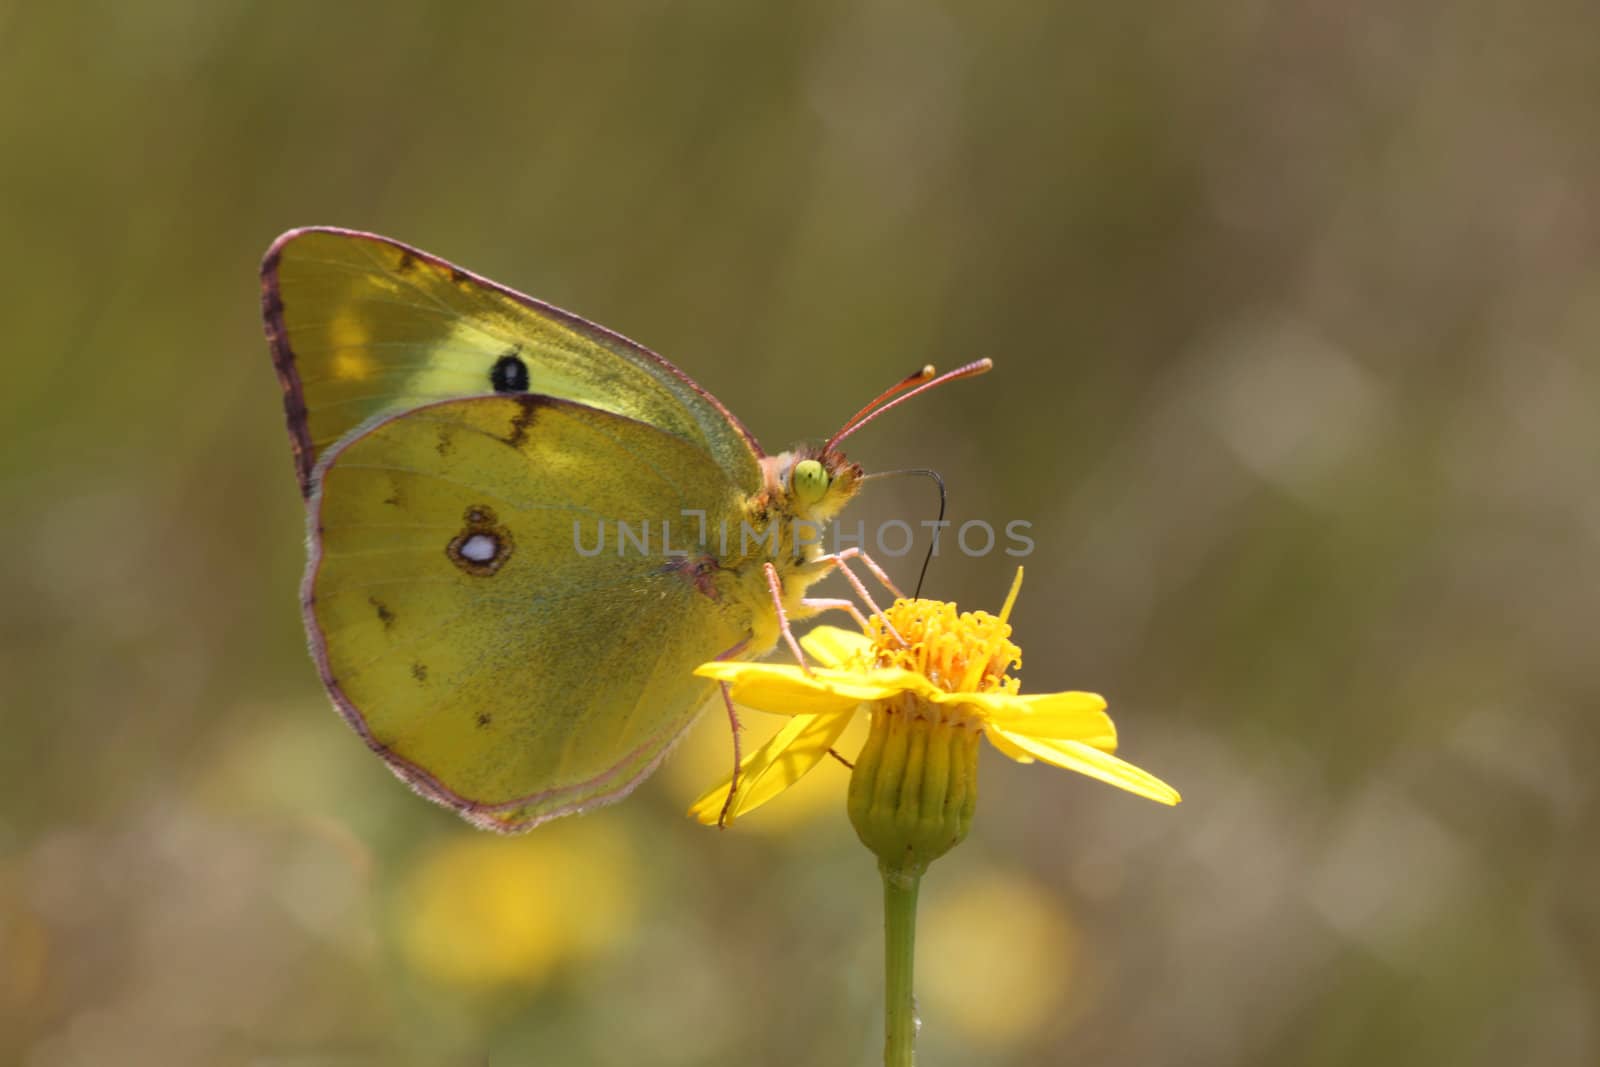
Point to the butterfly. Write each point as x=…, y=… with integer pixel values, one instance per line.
x=464, y=451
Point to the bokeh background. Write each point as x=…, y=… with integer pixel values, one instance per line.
x=1295, y=310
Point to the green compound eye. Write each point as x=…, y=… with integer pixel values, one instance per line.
x=810, y=481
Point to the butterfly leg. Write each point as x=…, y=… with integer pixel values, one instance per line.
x=854, y=552
x=840, y=560
x=733, y=785
x=775, y=587
x=733, y=728
x=820, y=604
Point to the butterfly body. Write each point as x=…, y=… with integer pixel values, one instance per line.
x=525, y=531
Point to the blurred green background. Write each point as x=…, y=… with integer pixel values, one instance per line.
x=1295, y=311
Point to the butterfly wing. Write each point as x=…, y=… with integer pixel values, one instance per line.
x=361, y=326
x=466, y=632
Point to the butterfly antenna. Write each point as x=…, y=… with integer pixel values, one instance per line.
x=915, y=378
x=873, y=410
x=938, y=524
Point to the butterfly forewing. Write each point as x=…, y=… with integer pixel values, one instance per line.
x=363, y=326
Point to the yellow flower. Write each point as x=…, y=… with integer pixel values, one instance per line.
x=480, y=912
x=951, y=669
x=1000, y=987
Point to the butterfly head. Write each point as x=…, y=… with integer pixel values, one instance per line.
x=819, y=484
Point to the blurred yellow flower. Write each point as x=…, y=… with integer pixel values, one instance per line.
x=998, y=983
x=950, y=667
x=488, y=911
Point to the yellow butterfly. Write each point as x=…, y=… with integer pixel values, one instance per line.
x=464, y=452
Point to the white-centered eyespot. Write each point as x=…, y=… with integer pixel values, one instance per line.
x=484, y=546
x=480, y=548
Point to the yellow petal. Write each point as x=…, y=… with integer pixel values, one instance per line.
x=833, y=647
x=775, y=766
x=787, y=690
x=1076, y=756
x=1057, y=716
x=997, y=738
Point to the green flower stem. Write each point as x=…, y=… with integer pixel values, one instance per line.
x=899, y=952
x=912, y=794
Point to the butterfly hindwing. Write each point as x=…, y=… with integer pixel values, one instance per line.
x=466, y=623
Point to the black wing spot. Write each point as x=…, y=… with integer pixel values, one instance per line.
x=528, y=405
x=484, y=718
x=419, y=671
x=385, y=616
x=509, y=374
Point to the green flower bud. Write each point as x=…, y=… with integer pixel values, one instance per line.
x=915, y=783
